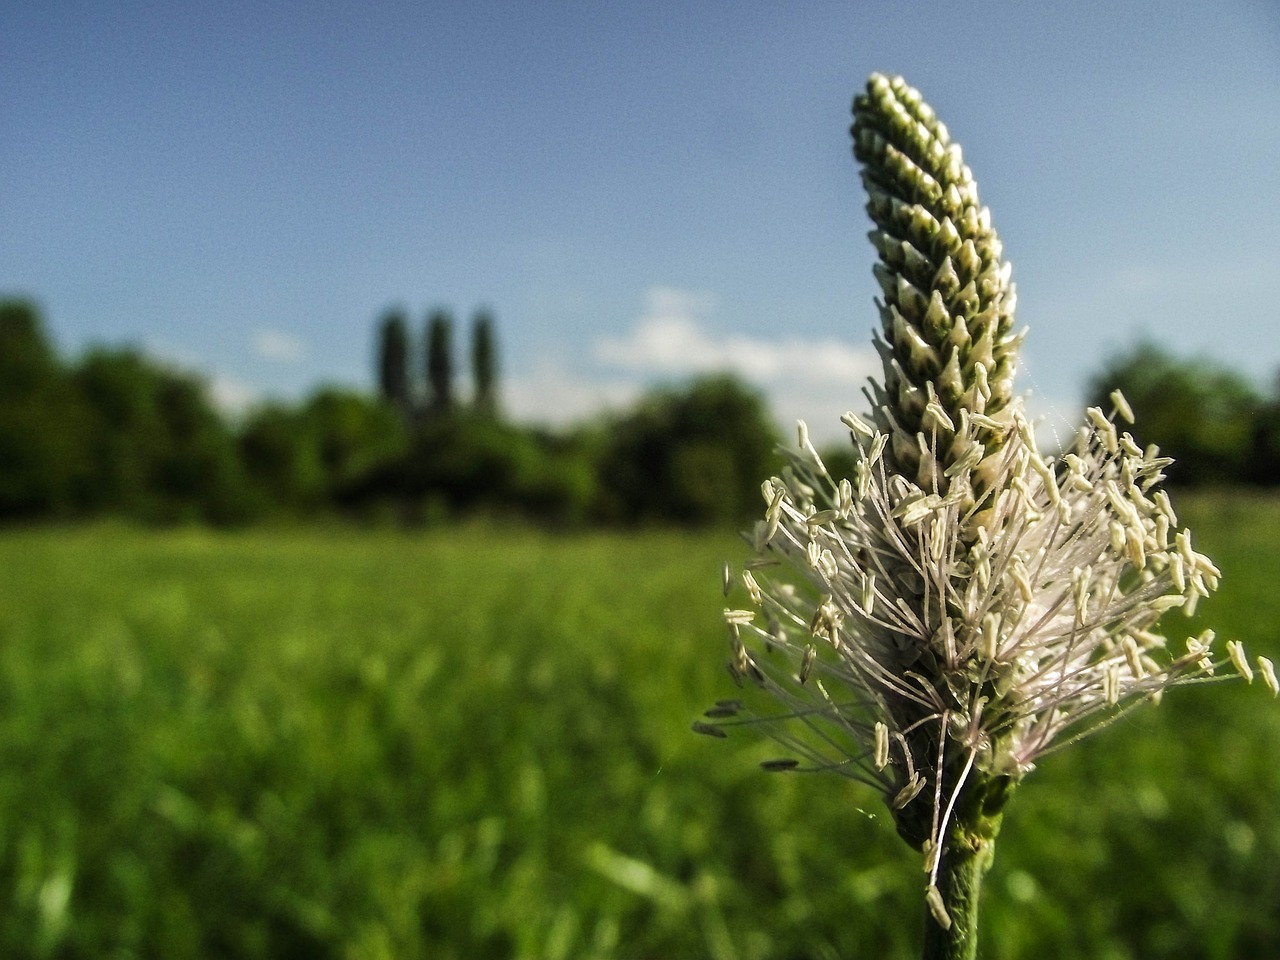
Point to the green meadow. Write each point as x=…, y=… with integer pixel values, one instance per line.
x=475, y=742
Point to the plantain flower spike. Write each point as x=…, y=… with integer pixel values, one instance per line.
x=947, y=338
x=962, y=604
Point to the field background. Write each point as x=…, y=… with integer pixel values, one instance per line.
x=475, y=742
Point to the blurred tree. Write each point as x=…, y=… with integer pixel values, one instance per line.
x=309, y=459
x=467, y=463
x=440, y=363
x=282, y=459
x=1264, y=453
x=42, y=423
x=198, y=474
x=696, y=455
x=157, y=448
x=119, y=388
x=561, y=486
x=353, y=434
x=393, y=361
x=484, y=363
x=27, y=359
x=115, y=433
x=1198, y=413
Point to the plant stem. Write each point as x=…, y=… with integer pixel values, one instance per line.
x=964, y=863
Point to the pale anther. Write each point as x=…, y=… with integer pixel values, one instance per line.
x=1236, y=651
x=1268, y=671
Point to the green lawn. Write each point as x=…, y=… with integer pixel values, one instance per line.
x=475, y=743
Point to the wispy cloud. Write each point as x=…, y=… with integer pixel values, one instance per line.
x=815, y=380
x=553, y=395
x=277, y=346
x=670, y=337
x=232, y=398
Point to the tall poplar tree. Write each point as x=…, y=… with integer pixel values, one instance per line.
x=393, y=360
x=440, y=363
x=484, y=363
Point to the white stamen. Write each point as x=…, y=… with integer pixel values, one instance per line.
x=1268, y=671
x=1236, y=650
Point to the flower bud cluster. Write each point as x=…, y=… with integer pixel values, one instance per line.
x=947, y=338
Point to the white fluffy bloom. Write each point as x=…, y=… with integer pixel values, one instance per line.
x=998, y=627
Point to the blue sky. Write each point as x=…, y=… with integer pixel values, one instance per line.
x=639, y=191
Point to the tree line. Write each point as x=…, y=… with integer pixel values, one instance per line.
x=116, y=433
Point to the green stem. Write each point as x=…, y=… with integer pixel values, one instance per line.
x=964, y=863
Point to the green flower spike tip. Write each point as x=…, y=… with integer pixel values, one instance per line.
x=947, y=315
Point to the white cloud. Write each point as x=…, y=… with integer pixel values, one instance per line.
x=815, y=380
x=670, y=338
x=231, y=397
x=551, y=395
x=281, y=347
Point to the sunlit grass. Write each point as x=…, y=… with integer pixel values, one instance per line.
x=476, y=743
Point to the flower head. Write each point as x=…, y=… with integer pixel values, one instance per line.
x=935, y=623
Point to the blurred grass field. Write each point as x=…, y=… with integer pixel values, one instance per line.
x=475, y=743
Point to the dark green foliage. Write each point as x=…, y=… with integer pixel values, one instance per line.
x=1200, y=414
x=157, y=450
x=1264, y=442
x=468, y=464
x=440, y=368
x=283, y=459
x=116, y=432
x=695, y=455
x=120, y=433
x=197, y=473
x=306, y=459
x=119, y=388
x=484, y=364
x=353, y=434
x=42, y=424
x=27, y=359
x=393, y=361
